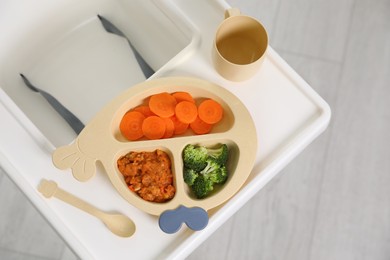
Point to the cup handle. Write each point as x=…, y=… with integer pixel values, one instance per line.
x=232, y=12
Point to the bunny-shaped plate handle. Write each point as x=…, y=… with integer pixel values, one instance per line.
x=70, y=156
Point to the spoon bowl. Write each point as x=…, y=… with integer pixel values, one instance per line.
x=119, y=224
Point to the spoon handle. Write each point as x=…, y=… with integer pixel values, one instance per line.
x=50, y=189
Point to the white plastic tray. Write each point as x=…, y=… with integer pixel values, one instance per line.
x=287, y=113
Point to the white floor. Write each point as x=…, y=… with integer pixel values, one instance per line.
x=333, y=201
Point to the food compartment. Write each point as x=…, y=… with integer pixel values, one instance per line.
x=231, y=165
x=198, y=94
x=141, y=169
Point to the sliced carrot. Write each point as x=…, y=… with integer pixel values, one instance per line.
x=210, y=111
x=186, y=112
x=153, y=127
x=180, y=127
x=183, y=96
x=200, y=127
x=170, y=128
x=131, y=125
x=145, y=110
x=162, y=104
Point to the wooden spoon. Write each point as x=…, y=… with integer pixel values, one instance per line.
x=119, y=224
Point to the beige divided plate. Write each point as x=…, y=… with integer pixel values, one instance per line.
x=102, y=141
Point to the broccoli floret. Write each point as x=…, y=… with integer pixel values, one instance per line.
x=211, y=166
x=189, y=176
x=220, y=154
x=215, y=172
x=202, y=186
x=220, y=175
x=194, y=157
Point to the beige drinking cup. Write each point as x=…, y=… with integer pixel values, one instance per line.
x=239, y=46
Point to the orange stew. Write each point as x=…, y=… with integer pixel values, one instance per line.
x=148, y=174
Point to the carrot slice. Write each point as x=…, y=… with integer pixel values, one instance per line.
x=131, y=125
x=186, y=112
x=162, y=104
x=200, y=127
x=153, y=127
x=210, y=111
x=183, y=96
x=170, y=128
x=145, y=110
x=180, y=127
